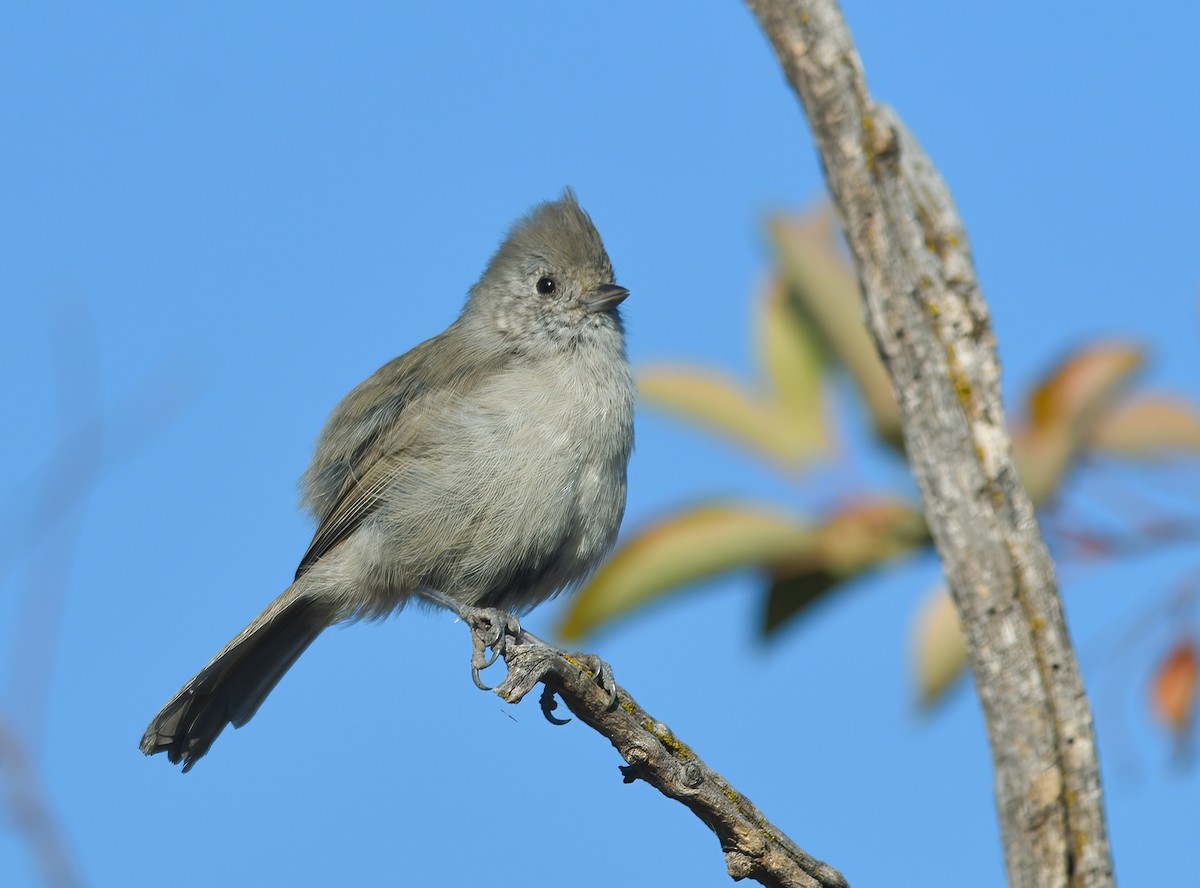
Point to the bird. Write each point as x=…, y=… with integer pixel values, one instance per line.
x=483, y=469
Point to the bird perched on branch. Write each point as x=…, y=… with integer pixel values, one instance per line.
x=483, y=469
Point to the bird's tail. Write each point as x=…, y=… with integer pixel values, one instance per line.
x=234, y=684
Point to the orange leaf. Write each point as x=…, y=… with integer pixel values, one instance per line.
x=1064, y=411
x=1173, y=688
x=1083, y=382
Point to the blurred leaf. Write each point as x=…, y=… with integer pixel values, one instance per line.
x=792, y=363
x=1065, y=410
x=1173, y=688
x=939, y=651
x=1149, y=428
x=850, y=542
x=823, y=290
x=790, y=595
x=681, y=549
x=1082, y=383
x=714, y=401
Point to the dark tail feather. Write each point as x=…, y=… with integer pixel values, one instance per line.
x=234, y=684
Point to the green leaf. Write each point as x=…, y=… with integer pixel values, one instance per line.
x=681, y=549
x=715, y=402
x=791, y=595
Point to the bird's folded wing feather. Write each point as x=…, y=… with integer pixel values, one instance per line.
x=360, y=499
x=377, y=427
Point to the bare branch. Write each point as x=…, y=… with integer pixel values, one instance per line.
x=754, y=848
x=27, y=805
x=933, y=332
x=39, y=528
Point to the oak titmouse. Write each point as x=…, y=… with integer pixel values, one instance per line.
x=487, y=466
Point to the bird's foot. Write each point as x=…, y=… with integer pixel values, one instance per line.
x=530, y=660
x=491, y=628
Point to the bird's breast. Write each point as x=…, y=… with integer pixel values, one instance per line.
x=514, y=490
x=549, y=447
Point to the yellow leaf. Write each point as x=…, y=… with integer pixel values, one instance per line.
x=939, y=652
x=790, y=356
x=823, y=288
x=679, y=550
x=1149, y=428
x=712, y=400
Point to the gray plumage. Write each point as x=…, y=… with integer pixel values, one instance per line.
x=487, y=464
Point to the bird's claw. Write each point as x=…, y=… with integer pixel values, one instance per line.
x=603, y=675
x=549, y=704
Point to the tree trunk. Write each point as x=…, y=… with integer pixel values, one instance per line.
x=932, y=329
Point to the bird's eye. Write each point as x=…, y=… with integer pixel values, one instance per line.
x=545, y=285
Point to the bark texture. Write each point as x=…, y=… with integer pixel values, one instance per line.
x=931, y=325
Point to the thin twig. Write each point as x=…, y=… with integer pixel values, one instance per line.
x=754, y=848
x=32, y=816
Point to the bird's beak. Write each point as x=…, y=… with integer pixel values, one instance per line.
x=605, y=297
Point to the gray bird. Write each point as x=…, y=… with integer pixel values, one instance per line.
x=484, y=468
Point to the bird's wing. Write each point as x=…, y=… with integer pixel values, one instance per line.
x=372, y=431
x=360, y=499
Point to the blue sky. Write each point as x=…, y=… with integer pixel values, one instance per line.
x=215, y=219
